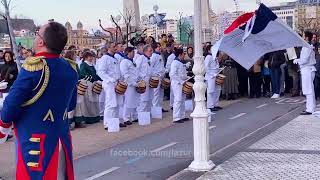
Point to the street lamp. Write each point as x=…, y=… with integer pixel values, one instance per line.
x=117, y=20
x=156, y=18
x=201, y=146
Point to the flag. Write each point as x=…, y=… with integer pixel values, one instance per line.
x=252, y=35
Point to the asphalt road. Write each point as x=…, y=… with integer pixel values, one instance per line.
x=168, y=151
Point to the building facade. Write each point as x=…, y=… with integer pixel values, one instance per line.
x=287, y=13
x=81, y=38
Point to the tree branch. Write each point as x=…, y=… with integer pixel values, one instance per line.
x=106, y=30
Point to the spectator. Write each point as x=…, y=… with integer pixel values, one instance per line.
x=9, y=71
x=294, y=75
x=266, y=76
x=170, y=39
x=189, y=59
x=150, y=40
x=29, y=53
x=255, y=79
x=230, y=86
x=243, y=80
x=1, y=57
x=164, y=41
x=276, y=59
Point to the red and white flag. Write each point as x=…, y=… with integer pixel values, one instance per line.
x=252, y=35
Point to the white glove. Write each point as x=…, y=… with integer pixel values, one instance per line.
x=296, y=61
x=188, y=64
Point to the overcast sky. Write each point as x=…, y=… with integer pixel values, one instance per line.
x=89, y=11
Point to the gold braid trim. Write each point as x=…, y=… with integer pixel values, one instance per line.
x=33, y=64
x=43, y=87
x=72, y=63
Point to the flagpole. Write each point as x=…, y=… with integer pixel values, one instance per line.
x=201, y=146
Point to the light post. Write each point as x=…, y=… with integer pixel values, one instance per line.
x=117, y=19
x=201, y=160
x=156, y=8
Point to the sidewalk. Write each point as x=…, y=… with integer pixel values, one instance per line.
x=93, y=139
x=291, y=152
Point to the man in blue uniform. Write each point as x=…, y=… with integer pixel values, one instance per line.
x=37, y=107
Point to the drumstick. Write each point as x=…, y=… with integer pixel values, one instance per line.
x=189, y=79
x=221, y=69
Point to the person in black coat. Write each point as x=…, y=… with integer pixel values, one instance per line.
x=9, y=70
x=277, y=58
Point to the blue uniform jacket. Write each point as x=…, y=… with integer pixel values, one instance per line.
x=37, y=105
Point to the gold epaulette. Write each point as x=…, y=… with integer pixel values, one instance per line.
x=72, y=63
x=33, y=64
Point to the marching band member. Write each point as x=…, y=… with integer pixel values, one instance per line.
x=119, y=52
x=119, y=55
x=109, y=72
x=171, y=58
x=144, y=69
x=38, y=105
x=158, y=70
x=88, y=110
x=139, y=51
x=130, y=74
x=213, y=90
x=104, y=50
x=178, y=76
x=307, y=63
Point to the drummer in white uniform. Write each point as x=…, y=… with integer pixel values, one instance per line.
x=178, y=76
x=109, y=71
x=212, y=70
x=307, y=63
x=130, y=74
x=158, y=70
x=119, y=52
x=144, y=70
x=170, y=59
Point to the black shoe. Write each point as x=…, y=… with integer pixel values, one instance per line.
x=122, y=125
x=164, y=111
x=281, y=94
x=106, y=128
x=179, y=122
x=295, y=95
x=171, y=108
x=218, y=107
x=214, y=109
x=9, y=137
x=80, y=125
x=305, y=113
x=135, y=121
x=186, y=119
x=128, y=123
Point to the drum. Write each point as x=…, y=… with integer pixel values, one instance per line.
x=154, y=82
x=187, y=88
x=97, y=88
x=165, y=83
x=121, y=88
x=220, y=79
x=141, y=87
x=82, y=88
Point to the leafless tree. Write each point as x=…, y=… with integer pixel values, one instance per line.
x=106, y=30
x=7, y=4
x=311, y=24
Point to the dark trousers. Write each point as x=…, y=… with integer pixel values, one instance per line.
x=295, y=82
x=266, y=84
x=317, y=86
x=275, y=80
x=255, y=81
x=243, y=80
